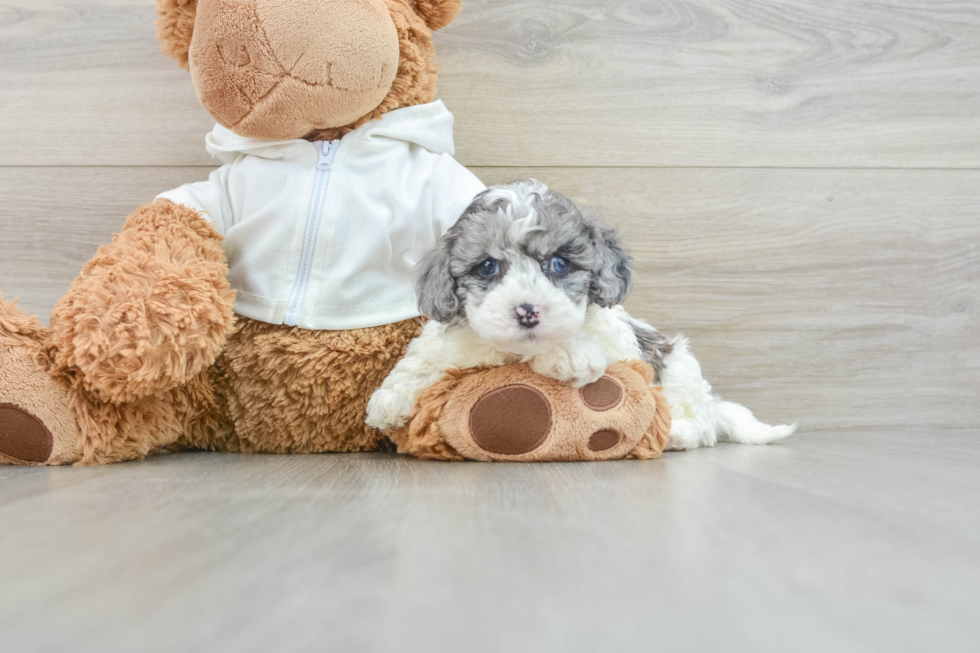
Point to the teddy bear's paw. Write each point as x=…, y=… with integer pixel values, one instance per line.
x=37, y=426
x=512, y=414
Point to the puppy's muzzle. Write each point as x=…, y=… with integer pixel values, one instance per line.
x=528, y=316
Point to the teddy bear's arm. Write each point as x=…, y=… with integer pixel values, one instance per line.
x=151, y=310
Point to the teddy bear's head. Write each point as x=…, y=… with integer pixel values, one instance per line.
x=315, y=69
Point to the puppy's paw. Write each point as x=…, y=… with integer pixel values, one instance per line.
x=388, y=409
x=577, y=368
x=587, y=367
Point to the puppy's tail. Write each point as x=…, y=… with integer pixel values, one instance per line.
x=736, y=423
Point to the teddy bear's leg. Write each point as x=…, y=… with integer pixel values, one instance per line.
x=150, y=312
x=37, y=424
x=47, y=417
x=135, y=336
x=290, y=390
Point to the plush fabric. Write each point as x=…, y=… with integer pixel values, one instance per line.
x=438, y=13
x=415, y=80
x=150, y=311
x=291, y=390
x=635, y=425
x=28, y=392
x=274, y=389
x=279, y=68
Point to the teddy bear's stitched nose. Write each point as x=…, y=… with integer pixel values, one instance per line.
x=277, y=69
x=232, y=65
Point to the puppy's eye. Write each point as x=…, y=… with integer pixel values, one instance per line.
x=489, y=268
x=559, y=266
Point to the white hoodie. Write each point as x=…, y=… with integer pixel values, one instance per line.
x=325, y=235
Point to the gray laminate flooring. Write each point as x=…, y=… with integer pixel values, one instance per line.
x=859, y=541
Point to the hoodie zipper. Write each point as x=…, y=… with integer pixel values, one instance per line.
x=297, y=298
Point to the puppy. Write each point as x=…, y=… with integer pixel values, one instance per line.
x=524, y=276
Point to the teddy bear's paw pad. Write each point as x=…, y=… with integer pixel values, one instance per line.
x=604, y=440
x=37, y=425
x=604, y=394
x=509, y=413
x=23, y=437
x=512, y=420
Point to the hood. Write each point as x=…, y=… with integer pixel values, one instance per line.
x=427, y=125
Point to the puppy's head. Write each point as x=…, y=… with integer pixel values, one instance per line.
x=522, y=265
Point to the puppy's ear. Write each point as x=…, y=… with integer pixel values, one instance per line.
x=175, y=27
x=438, y=13
x=435, y=285
x=612, y=280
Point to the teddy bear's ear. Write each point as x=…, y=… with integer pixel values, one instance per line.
x=438, y=13
x=175, y=26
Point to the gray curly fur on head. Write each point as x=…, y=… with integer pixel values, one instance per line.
x=523, y=218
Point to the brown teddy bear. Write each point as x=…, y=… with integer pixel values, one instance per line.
x=258, y=310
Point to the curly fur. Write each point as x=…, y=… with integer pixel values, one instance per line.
x=150, y=311
x=18, y=329
x=289, y=390
x=274, y=389
x=654, y=441
x=438, y=13
x=175, y=27
x=577, y=330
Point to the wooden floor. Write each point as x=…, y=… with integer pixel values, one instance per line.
x=857, y=542
x=799, y=182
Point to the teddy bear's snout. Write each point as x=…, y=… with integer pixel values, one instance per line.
x=279, y=69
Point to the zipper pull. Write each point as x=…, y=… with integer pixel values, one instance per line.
x=327, y=151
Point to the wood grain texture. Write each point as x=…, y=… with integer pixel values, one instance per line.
x=832, y=542
x=812, y=83
x=843, y=299
x=716, y=83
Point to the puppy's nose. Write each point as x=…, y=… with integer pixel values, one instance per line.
x=528, y=315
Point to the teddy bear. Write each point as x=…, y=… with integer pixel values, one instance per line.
x=257, y=311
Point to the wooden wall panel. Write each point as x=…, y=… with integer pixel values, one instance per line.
x=801, y=83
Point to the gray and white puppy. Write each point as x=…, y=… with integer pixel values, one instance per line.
x=525, y=276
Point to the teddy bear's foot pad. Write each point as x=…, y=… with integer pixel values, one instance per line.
x=23, y=437
x=511, y=421
x=517, y=419
x=37, y=426
x=511, y=414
